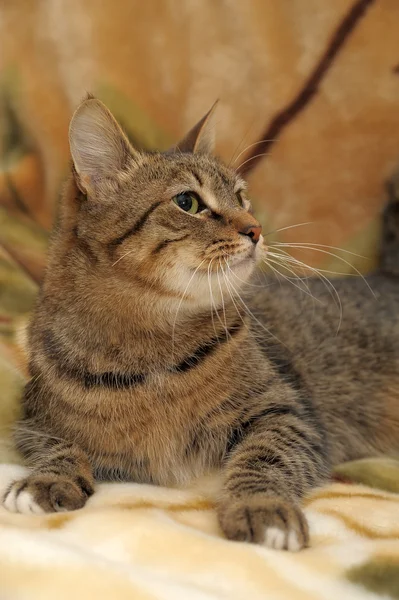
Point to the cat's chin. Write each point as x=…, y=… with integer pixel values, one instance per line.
x=245, y=262
x=242, y=260
x=242, y=268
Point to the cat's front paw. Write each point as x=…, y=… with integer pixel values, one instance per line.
x=262, y=519
x=44, y=493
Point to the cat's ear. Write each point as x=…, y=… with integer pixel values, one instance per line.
x=98, y=145
x=201, y=138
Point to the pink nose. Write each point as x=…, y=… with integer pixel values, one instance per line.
x=252, y=231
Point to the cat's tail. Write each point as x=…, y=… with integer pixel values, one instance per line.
x=389, y=249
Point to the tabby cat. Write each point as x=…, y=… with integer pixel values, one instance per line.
x=146, y=365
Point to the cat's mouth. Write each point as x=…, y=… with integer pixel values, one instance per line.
x=250, y=255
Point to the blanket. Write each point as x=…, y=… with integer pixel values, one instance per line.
x=308, y=112
x=145, y=542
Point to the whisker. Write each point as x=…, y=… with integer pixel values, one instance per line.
x=248, y=283
x=238, y=349
x=305, y=291
x=123, y=256
x=251, y=146
x=249, y=312
x=223, y=304
x=335, y=256
x=326, y=282
x=306, y=266
x=326, y=246
x=239, y=144
x=180, y=303
x=251, y=158
x=281, y=263
x=213, y=305
x=226, y=279
x=289, y=227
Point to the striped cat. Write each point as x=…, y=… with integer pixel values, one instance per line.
x=146, y=365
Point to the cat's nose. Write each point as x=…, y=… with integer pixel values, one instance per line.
x=252, y=231
x=246, y=224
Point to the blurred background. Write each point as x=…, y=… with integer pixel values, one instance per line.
x=309, y=112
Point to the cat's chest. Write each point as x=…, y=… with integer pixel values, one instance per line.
x=165, y=451
x=161, y=435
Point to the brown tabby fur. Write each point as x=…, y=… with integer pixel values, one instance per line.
x=136, y=375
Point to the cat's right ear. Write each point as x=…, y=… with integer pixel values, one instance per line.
x=98, y=145
x=201, y=138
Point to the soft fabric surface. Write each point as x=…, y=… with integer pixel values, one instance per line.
x=144, y=542
x=319, y=81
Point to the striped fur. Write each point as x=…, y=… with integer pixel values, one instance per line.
x=145, y=364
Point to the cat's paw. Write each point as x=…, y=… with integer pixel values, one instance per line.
x=44, y=493
x=266, y=520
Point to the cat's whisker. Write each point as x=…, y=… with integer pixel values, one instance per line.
x=251, y=146
x=327, y=283
x=247, y=283
x=315, y=245
x=289, y=227
x=221, y=292
x=180, y=303
x=213, y=304
x=222, y=298
x=305, y=266
x=226, y=279
x=286, y=257
x=251, y=158
x=239, y=144
x=308, y=247
x=123, y=256
x=255, y=335
x=249, y=312
x=281, y=264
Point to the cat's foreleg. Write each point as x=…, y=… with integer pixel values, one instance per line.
x=280, y=458
x=61, y=478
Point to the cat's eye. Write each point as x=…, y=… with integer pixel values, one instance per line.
x=240, y=199
x=189, y=202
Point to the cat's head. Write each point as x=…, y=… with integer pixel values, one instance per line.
x=179, y=222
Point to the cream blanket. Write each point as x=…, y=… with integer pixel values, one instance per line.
x=145, y=542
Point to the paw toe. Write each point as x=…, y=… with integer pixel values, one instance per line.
x=43, y=494
x=26, y=504
x=275, y=538
x=270, y=521
x=10, y=499
x=294, y=544
x=66, y=496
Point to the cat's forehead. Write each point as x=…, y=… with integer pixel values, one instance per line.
x=197, y=170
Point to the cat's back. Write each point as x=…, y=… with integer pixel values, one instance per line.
x=336, y=308
x=342, y=339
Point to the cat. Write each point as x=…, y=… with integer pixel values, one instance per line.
x=146, y=364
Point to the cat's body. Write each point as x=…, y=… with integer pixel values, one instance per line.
x=145, y=365
x=349, y=362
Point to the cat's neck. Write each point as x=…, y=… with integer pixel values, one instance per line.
x=120, y=326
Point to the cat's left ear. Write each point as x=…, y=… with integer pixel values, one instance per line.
x=201, y=138
x=98, y=145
